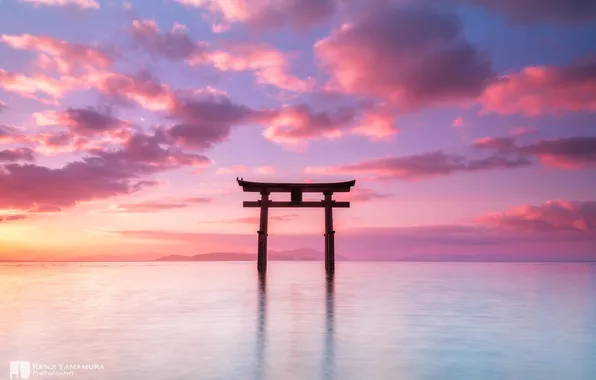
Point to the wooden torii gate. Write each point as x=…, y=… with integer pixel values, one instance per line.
x=296, y=190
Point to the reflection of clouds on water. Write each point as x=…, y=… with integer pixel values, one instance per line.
x=463, y=321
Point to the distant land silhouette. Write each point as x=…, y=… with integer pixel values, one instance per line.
x=303, y=254
x=314, y=255
x=309, y=254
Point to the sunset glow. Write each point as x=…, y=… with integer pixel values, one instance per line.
x=469, y=126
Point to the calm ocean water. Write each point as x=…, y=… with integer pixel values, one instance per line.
x=371, y=321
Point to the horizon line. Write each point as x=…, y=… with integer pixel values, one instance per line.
x=302, y=260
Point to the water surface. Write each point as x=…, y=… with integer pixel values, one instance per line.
x=370, y=321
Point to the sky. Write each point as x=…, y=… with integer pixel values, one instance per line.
x=468, y=126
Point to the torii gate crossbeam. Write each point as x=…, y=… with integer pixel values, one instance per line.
x=296, y=190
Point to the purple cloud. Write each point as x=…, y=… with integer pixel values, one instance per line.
x=533, y=11
x=100, y=174
x=17, y=154
x=174, y=44
x=410, y=56
x=550, y=216
x=426, y=165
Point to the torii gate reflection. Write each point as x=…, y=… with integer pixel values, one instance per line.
x=329, y=335
x=296, y=190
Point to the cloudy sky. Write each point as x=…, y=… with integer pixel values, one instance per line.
x=468, y=125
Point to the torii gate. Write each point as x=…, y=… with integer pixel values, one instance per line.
x=296, y=190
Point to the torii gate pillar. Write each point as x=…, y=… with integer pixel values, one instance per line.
x=262, y=248
x=329, y=234
x=296, y=190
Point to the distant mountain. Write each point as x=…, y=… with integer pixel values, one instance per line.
x=219, y=256
x=109, y=258
x=307, y=254
x=303, y=254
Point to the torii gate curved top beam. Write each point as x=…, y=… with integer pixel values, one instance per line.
x=334, y=187
x=296, y=190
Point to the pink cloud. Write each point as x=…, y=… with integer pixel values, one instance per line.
x=66, y=57
x=39, y=87
x=254, y=219
x=294, y=124
x=377, y=123
x=361, y=195
x=85, y=4
x=421, y=166
x=522, y=131
x=55, y=143
x=141, y=89
x=44, y=118
x=230, y=11
x=458, y=122
x=265, y=170
x=411, y=57
x=174, y=44
x=539, y=90
x=10, y=134
x=232, y=170
x=13, y=217
x=263, y=14
x=151, y=206
x=552, y=215
x=495, y=143
x=238, y=169
x=269, y=64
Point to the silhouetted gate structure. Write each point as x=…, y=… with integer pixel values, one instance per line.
x=296, y=190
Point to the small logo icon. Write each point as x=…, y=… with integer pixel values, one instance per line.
x=20, y=370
